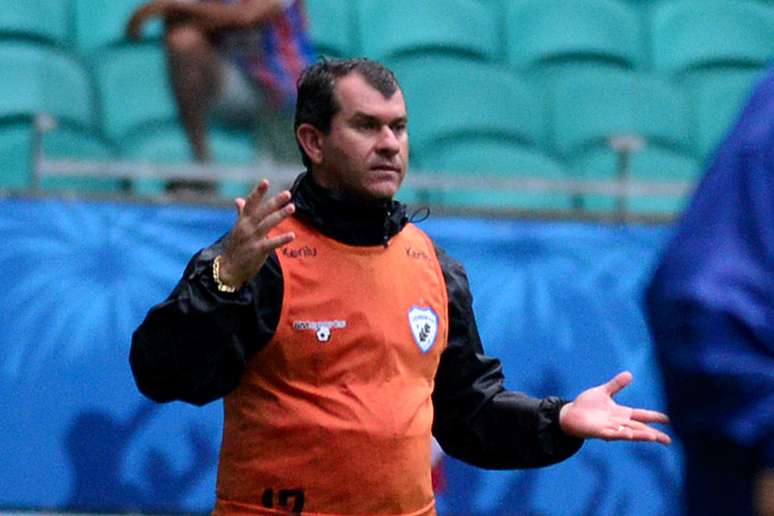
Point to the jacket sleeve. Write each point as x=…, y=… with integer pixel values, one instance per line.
x=194, y=345
x=476, y=419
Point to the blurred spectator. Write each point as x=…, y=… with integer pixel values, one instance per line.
x=711, y=311
x=235, y=59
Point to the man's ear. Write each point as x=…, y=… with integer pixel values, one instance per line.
x=311, y=139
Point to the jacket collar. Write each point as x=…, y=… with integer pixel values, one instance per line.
x=347, y=220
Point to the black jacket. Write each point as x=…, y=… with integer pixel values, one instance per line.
x=194, y=346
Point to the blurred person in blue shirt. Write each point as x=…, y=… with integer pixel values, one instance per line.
x=710, y=306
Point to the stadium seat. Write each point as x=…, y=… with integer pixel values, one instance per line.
x=41, y=20
x=98, y=26
x=167, y=143
x=448, y=97
x=16, y=161
x=479, y=158
x=541, y=34
x=588, y=108
x=462, y=27
x=689, y=35
x=332, y=27
x=653, y=164
x=38, y=79
x=65, y=143
x=133, y=89
x=15, y=154
x=717, y=103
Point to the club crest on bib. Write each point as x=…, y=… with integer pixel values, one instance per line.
x=424, y=326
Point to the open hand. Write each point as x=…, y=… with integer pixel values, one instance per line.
x=248, y=245
x=594, y=414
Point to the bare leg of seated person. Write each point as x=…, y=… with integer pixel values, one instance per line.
x=194, y=74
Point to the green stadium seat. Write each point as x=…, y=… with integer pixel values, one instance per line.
x=41, y=20
x=448, y=97
x=717, y=103
x=133, y=89
x=332, y=27
x=475, y=158
x=16, y=138
x=99, y=24
x=689, y=35
x=404, y=27
x=543, y=34
x=71, y=144
x=62, y=142
x=38, y=79
x=651, y=164
x=167, y=143
x=588, y=108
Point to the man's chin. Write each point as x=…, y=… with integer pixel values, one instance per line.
x=384, y=191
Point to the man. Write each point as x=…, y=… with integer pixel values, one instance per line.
x=234, y=59
x=711, y=311
x=342, y=337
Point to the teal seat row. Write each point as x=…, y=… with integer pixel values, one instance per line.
x=453, y=103
x=670, y=36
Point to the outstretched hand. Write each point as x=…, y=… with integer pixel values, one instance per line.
x=594, y=414
x=248, y=244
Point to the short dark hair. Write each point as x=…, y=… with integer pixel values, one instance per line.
x=316, y=104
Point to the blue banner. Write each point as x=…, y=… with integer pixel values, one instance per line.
x=558, y=302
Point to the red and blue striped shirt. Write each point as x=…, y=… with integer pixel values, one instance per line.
x=273, y=54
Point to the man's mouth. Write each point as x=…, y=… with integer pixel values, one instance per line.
x=386, y=166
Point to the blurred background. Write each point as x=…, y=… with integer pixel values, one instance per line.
x=554, y=141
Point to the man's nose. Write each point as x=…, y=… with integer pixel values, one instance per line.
x=388, y=142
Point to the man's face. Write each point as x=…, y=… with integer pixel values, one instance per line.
x=365, y=154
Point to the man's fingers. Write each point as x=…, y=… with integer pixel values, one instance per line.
x=240, y=205
x=620, y=381
x=278, y=241
x=635, y=432
x=274, y=204
x=274, y=218
x=649, y=416
x=253, y=201
x=649, y=434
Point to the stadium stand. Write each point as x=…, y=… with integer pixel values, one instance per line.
x=466, y=158
x=333, y=28
x=591, y=108
x=594, y=105
x=97, y=27
x=43, y=80
x=689, y=36
x=133, y=89
x=489, y=123
x=111, y=95
x=450, y=96
x=41, y=20
x=542, y=34
x=652, y=165
x=716, y=102
x=461, y=27
x=167, y=143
